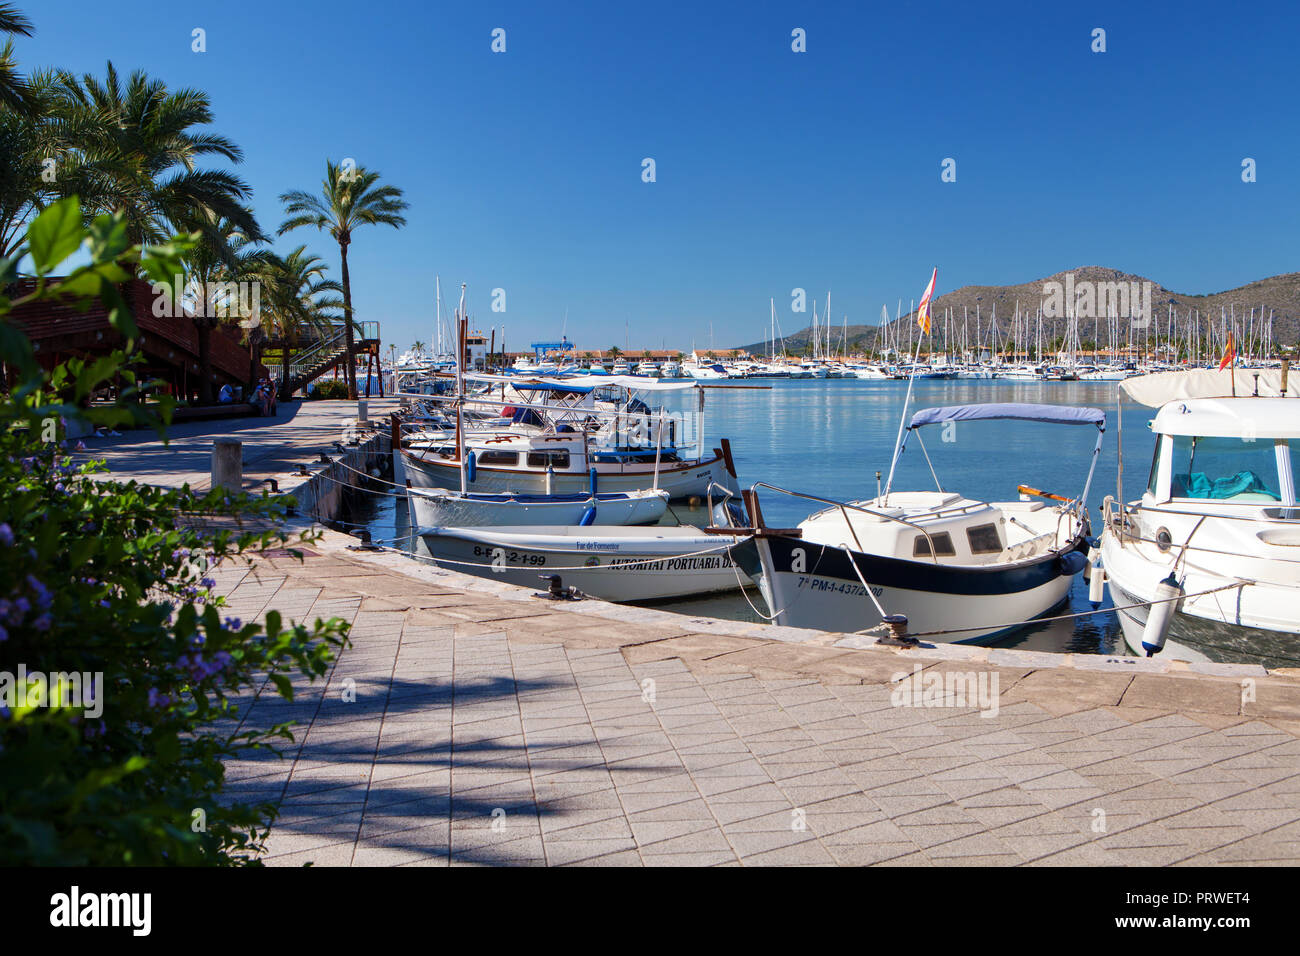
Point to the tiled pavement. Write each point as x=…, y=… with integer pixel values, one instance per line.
x=496, y=729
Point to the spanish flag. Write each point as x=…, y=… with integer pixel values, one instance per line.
x=923, y=312
x=1229, y=353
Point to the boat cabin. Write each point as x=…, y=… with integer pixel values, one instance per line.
x=1233, y=451
x=938, y=527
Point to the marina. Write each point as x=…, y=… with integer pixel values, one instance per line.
x=547, y=449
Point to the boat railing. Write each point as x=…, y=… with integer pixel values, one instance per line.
x=844, y=508
x=1120, y=520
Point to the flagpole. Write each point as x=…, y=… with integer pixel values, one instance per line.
x=924, y=311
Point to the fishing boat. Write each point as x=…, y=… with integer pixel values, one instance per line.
x=451, y=508
x=955, y=568
x=562, y=463
x=616, y=564
x=1205, y=566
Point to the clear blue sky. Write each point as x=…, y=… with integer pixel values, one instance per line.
x=775, y=169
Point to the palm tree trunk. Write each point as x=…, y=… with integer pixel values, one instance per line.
x=350, y=370
x=205, y=362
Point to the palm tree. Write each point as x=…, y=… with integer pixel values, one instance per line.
x=135, y=147
x=24, y=190
x=296, y=299
x=15, y=94
x=224, y=255
x=350, y=198
x=417, y=349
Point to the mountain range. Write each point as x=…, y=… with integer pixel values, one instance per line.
x=1278, y=294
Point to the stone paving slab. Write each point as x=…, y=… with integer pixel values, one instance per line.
x=492, y=728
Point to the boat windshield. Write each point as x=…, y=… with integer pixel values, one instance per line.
x=1225, y=469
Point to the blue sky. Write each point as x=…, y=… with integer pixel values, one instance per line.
x=774, y=169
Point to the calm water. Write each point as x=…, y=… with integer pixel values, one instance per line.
x=830, y=437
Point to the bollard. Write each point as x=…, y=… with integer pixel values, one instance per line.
x=362, y=409
x=228, y=464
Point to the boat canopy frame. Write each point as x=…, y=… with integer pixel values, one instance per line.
x=1001, y=411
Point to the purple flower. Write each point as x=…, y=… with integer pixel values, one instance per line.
x=106, y=603
x=22, y=606
x=43, y=623
x=59, y=487
x=6, y=535
x=81, y=446
x=43, y=597
x=158, y=701
x=208, y=583
x=4, y=635
x=234, y=624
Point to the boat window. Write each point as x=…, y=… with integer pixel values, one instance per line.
x=984, y=539
x=942, y=544
x=1224, y=469
x=540, y=459
x=1155, y=468
x=498, y=458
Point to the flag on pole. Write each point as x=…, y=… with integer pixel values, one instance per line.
x=1229, y=353
x=923, y=312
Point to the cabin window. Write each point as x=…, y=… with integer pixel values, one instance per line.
x=555, y=459
x=1155, y=468
x=498, y=458
x=984, y=539
x=942, y=545
x=1224, y=469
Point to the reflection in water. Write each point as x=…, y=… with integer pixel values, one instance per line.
x=830, y=437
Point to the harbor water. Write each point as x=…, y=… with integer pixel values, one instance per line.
x=830, y=437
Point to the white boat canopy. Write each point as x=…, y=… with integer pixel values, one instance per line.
x=1160, y=388
x=1246, y=417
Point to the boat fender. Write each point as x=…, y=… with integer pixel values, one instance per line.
x=1071, y=563
x=471, y=467
x=1160, y=616
x=593, y=482
x=1096, y=579
x=588, y=518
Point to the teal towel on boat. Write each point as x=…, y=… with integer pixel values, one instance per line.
x=1199, y=485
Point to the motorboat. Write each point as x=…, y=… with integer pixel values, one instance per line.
x=616, y=564
x=1205, y=565
x=955, y=568
x=447, y=507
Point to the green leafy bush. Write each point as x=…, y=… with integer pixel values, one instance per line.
x=330, y=388
x=110, y=580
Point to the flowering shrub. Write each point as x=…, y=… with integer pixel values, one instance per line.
x=119, y=671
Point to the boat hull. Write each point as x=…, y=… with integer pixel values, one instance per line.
x=680, y=480
x=815, y=586
x=440, y=508
x=1242, y=625
x=641, y=566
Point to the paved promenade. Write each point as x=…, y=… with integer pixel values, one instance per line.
x=471, y=723
x=273, y=446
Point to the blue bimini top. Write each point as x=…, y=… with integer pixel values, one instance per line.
x=1053, y=414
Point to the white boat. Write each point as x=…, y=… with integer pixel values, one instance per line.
x=450, y=508
x=648, y=369
x=616, y=564
x=870, y=372
x=705, y=372
x=1216, y=527
x=559, y=464
x=957, y=569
